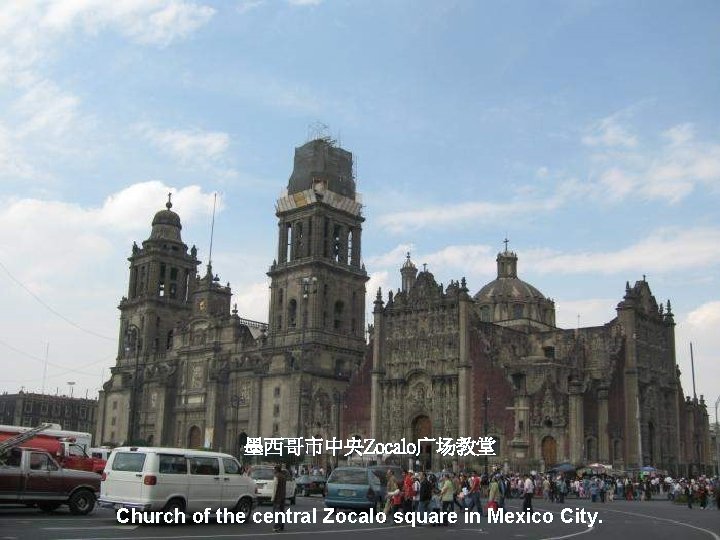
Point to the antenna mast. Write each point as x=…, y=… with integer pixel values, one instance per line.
x=212, y=230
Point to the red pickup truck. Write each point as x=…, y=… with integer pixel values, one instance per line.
x=32, y=477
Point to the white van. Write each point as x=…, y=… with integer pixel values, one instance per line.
x=264, y=476
x=168, y=478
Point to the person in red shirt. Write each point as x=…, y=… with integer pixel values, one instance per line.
x=408, y=491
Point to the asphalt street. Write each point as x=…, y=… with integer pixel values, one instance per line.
x=656, y=520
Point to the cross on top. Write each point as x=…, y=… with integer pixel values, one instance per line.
x=168, y=205
x=424, y=267
x=506, y=241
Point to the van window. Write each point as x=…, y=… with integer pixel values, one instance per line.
x=98, y=455
x=128, y=461
x=231, y=466
x=204, y=466
x=169, y=464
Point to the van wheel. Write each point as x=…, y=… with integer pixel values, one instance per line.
x=48, y=507
x=244, y=505
x=174, y=504
x=81, y=502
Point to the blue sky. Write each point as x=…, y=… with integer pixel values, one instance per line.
x=587, y=132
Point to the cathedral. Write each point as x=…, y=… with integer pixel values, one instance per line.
x=435, y=361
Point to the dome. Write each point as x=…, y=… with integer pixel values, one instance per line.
x=167, y=217
x=166, y=224
x=510, y=300
x=508, y=288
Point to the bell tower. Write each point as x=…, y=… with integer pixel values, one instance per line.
x=160, y=290
x=316, y=330
x=160, y=293
x=317, y=298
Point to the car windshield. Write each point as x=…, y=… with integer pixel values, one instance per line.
x=262, y=474
x=348, y=476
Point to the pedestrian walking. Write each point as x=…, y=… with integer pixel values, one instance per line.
x=447, y=496
x=278, y=498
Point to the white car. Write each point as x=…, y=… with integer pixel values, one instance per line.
x=168, y=478
x=264, y=476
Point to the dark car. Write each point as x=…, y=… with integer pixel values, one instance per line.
x=310, y=485
x=353, y=488
x=32, y=477
x=380, y=471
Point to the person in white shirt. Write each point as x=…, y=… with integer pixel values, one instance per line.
x=528, y=490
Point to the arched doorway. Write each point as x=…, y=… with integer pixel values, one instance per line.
x=549, y=451
x=422, y=429
x=194, y=437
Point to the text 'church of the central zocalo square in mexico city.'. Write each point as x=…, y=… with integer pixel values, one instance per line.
x=440, y=361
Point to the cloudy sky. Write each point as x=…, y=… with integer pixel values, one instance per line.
x=588, y=132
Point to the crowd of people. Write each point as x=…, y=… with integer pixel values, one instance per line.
x=447, y=491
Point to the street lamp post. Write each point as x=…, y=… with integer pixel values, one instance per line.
x=135, y=331
x=486, y=402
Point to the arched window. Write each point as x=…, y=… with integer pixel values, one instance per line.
x=485, y=314
x=280, y=297
x=517, y=311
x=292, y=313
x=338, y=324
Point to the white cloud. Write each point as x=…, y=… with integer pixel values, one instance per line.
x=393, y=258
x=680, y=134
x=33, y=231
x=617, y=183
x=663, y=251
x=253, y=301
x=377, y=280
x=609, y=132
x=191, y=145
x=154, y=22
x=46, y=110
x=592, y=312
x=478, y=211
x=670, y=171
x=700, y=327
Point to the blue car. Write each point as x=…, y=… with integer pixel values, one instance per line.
x=353, y=488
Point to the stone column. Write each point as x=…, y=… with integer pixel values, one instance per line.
x=160, y=405
x=464, y=404
x=577, y=422
x=376, y=401
x=603, y=438
x=282, y=242
x=357, y=236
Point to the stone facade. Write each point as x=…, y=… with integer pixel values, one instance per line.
x=191, y=372
x=610, y=393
